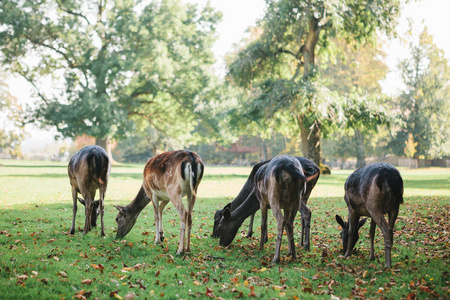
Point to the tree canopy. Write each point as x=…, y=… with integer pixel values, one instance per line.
x=279, y=63
x=116, y=65
x=424, y=104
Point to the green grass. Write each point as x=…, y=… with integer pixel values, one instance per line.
x=39, y=260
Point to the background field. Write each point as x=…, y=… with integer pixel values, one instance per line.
x=38, y=259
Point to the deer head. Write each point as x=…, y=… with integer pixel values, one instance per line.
x=344, y=232
x=125, y=221
x=95, y=210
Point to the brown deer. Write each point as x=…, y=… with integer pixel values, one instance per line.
x=167, y=177
x=373, y=191
x=88, y=171
x=279, y=185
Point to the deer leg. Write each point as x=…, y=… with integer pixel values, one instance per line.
x=387, y=231
x=191, y=202
x=281, y=224
x=74, y=210
x=93, y=211
x=102, y=208
x=353, y=220
x=176, y=200
x=162, y=205
x=88, y=212
x=372, y=237
x=155, y=202
x=290, y=231
x=306, y=225
x=263, y=224
x=250, y=226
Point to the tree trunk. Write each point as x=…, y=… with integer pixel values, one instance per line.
x=360, y=153
x=310, y=132
x=264, y=149
x=106, y=144
x=311, y=142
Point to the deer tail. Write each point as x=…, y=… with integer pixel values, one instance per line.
x=100, y=165
x=394, y=181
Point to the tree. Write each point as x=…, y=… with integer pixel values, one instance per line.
x=122, y=65
x=355, y=74
x=279, y=63
x=12, y=132
x=424, y=104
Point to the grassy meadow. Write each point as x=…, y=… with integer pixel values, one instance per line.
x=40, y=260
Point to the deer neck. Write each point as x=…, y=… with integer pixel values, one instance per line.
x=246, y=209
x=139, y=202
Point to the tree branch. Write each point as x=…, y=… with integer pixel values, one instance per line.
x=71, y=12
x=34, y=85
x=71, y=65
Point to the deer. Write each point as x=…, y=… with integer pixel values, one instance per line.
x=89, y=171
x=167, y=178
x=240, y=198
x=232, y=219
x=372, y=191
x=279, y=185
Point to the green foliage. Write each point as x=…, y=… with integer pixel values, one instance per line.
x=278, y=63
x=119, y=65
x=40, y=260
x=424, y=104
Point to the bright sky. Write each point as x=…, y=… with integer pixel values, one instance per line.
x=238, y=15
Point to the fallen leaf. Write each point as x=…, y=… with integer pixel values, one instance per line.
x=234, y=280
x=252, y=292
x=129, y=296
x=23, y=277
x=62, y=274
x=209, y=293
x=87, y=281
x=262, y=270
x=411, y=296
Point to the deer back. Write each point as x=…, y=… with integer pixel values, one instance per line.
x=90, y=167
x=171, y=170
x=377, y=185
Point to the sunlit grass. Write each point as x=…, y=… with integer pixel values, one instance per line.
x=39, y=260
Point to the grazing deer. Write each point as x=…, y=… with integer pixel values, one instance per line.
x=167, y=177
x=231, y=219
x=241, y=197
x=89, y=170
x=373, y=191
x=279, y=185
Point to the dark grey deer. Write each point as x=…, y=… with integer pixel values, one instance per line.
x=373, y=191
x=279, y=185
x=235, y=213
x=88, y=171
x=245, y=192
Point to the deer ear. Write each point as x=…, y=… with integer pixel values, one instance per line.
x=340, y=221
x=362, y=222
x=81, y=201
x=121, y=209
x=226, y=213
x=307, y=179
